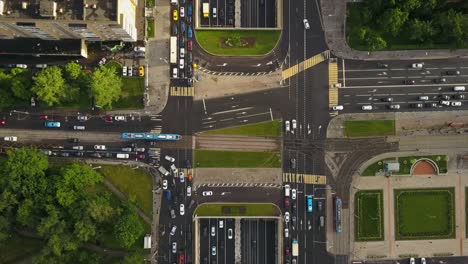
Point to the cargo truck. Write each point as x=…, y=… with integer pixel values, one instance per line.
x=295, y=248
x=206, y=10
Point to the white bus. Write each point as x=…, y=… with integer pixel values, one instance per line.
x=173, y=50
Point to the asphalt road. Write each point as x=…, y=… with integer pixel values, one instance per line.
x=213, y=235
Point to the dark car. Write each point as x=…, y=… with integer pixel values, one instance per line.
x=459, y=96
x=294, y=208
x=174, y=29
x=189, y=58
x=95, y=155
x=73, y=140
x=452, y=72
x=382, y=65
x=445, y=97
x=188, y=165
x=182, y=27
x=107, y=154
x=431, y=105
x=65, y=154
x=409, y=81
x=182, y=42
x=387, y=99
x=419, y=105
x=189, y=72
x=293, y=164
x=79, y=154
x=440, y=80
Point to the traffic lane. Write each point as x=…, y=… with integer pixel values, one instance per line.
x=177, y=116
x=417, y=78
x=459, y=63
x=204, y=240
x=221, y=242
x=230, y=242
x=250, y=116
x=239, y=194
x=315, y=36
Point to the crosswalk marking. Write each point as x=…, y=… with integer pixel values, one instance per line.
x=156, y=117
x=304, y=178
x=182, y=91
x=304, y=65
x=332, y=83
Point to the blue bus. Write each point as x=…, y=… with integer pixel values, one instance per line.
x=151, y=136
x=337, y=205
x=310, y=203
x=52, y=124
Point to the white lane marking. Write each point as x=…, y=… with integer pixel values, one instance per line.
x=406, y=86
x=230, y=111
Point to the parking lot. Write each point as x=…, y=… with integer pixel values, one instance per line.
x=252, y=14
x=218, y=240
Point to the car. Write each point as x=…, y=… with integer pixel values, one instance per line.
x=174, y=247
x=189, y=190
x=79, y=154
x=95, y=155
x=423, y=97
x=440, y=80
x=182, y=41
x=286, y=251
x=213, y=250
x=2, y=122
x=207, y=193
x=136, y=149
x=189, y=33
x=213, y=230
x=418, y=105
x=82, y=118
x=387, y=99
x=164, y=184
x=41, y=66
x=139, y=49
x=319, y=206
x=189, y=59
x=169, y=158
x=189, y=45
x=130, y=71
x=286, y=217
x=100, y=147
x=456, y=103
x=287, y=126
x=431, y=105
x=382, y=65
x=190, y=177
x=181, y=176
x=366, y=107
x=77, y=147
x=292, y=163
x=221, y=224
x=394, y=106
x=444, y=102
x=22, y=66
x=181, y=63
x=182, y=28
x=127, y=149
x=182, y=11
x=459, y=96
x=293, y=194
x=337, y=108
x=417, y=65
x=64, y=154
x=230, y=233
x=423, y=260
x=445, y=97
x=452, y=72
x=306, y=23
x=293, y=219
x=294, y=124
x=175, y=72
x=182, y=52
x=174, y=29
x=141, y=70
x=10, y=138
x=286, y=203
x=174, y=169
x=173, y=230
x=181, y=257
x=412, y=261
x=182, y=209
x=73, y=140
x=52, y=124
x=43, y=117
x=286, y=232
x=409, y=82
x=310, y=203
x=120, y=118
x=140, y=156
x=175, y=16
x=124, y=71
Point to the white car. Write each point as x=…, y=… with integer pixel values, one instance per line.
x=181, y=176
x=456, y=103
x=10, y=138
x=366, y=107
x=207, y=193
x=164, y=185
x=221, y=224
x=174, y=169
x=169, y=158
x=394, y=106
x=293, y=194
x=412, y=261
x=182, y=52
x=423, y=260
x=213, y=250
x=443, y=102
x=100, y=147
x=213, y=230
x=294, y=124
x=139, y=49
x=189, y=190
x=77, y=147
x=120, y=118
x=181, y=63
x=286, y=232
x=22, y=66
x=182, y=11
x=423, y=97
x=286, y=217
x=174, y=247
x=306, y=23
x=182, y=209
x=337, y=108
x=287, y=125
x=417, y=65
x=174, y=72
x=124, y=71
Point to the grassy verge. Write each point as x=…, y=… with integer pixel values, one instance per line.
x=136, y=184
x=237, y=209
x=211, y=41
x=132, y=94
x=405, y=164
x=264, y=129
x=425, y=213
x=17, y=248
x=368, y=216
x=149, y=28
x=369, y=128
x=236, y=159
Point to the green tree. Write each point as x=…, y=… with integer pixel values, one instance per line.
x=105, y=86
x=6, y=99
x=421, y=31
x=100, y=209
x=453, y=26
x=374, y=42
x=392, y=20
x=49, y=85
x=128, y=227
x=21, y=83
x=137, y=257
x=84, y=230
x=72, y=71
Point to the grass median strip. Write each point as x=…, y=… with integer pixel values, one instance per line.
x=369, y=215
x=236, y=159
x=369, y=128
x=263, y=129
x=132, y=93
x=237, y=209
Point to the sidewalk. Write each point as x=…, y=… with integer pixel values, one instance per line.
x=334, y=23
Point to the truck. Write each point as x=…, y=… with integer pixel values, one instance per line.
x=295, y=248
x=206, y=10
x=173, y=58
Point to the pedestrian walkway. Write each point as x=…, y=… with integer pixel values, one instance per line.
x=182, y=91
x=304, y=178
x=309, y=63
x=332, y=83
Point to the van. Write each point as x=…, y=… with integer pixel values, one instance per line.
x=214, y=12
x=79, y=128
x=163, y=171
x=459, y=88
x=287, y=190
x=122, y=156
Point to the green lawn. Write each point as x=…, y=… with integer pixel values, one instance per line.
x=405, y=164
x=17, y=248
x=264, y=129
x=424, y=213
x=368, y=216
x=135, y=183
x=150, y=3
x=132, y=94
x=236, y=159
x=150, y=28
x=211, y=41
x=369, y=128
x=237, y=209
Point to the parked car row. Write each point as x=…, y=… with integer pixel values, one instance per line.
x=133, y=71
x=183, y=29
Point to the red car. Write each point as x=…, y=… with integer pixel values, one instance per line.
x=140, y=156
x=2, y=122
x=181, y=258
x=189, y=45
x=287, y=251
x=43, y=117
x=286, y=203
x=109, y=118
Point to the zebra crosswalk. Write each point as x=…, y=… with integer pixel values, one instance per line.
x=333, y=83
x=304, y=178
x=304, y=65
x=182, y=91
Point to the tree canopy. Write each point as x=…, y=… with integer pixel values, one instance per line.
x=49, y=85
x=106, y=86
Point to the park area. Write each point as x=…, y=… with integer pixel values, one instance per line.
x=422, y=214
x=369, y=128
x=377, y=168
x=368, y=216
